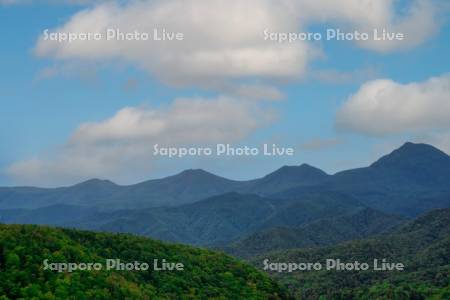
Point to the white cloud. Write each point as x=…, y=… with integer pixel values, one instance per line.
x=224, y=38
x=418, y=21
x=121, y=147
x=187, y=120
x=383, y=106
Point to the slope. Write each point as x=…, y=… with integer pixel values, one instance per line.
x=363, y=223
x=205, y=274
x=411, y=180
x=422, y=246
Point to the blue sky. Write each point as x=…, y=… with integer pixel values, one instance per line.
x=47, y=95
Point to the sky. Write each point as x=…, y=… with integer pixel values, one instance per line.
x=71, y=111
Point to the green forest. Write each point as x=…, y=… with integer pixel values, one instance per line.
x=422, y=245
x=206, y=275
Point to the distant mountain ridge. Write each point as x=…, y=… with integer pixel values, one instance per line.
x=186, y=187
x=197, y=207
x=410, y=173
x=200, y=208
x=411, y=180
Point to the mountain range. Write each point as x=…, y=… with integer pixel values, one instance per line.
x=296, y=213
x=186, y=187
x=199, y=208
x=416, y=170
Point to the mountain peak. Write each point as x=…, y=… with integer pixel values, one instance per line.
x=198, y=176
x=410, y=146
x=414, y=155
x=302, y=172
x=305, y=167
x=195, y=173
x=96, y=182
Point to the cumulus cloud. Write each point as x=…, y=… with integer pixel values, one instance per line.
x=121, y=146
x=383, y=107
x=417, y=22
x=187, y=120
x=224, y=38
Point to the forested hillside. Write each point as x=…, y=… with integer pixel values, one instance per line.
x=360, y=224
x=206, y=274
x=422, y=246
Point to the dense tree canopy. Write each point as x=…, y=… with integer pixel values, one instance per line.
x=207, y=274
x=423, y=246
